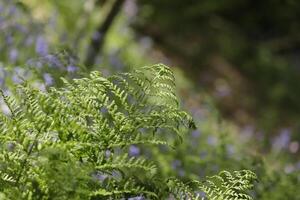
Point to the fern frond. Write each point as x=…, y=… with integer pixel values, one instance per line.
x=226, y=185
x=79, y=123
x=53, y=142
x=179, y=190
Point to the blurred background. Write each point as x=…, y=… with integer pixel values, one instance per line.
x=236, y=62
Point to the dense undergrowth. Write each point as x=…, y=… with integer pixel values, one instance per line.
x=72, y=142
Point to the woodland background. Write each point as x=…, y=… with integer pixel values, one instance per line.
x=237, y=68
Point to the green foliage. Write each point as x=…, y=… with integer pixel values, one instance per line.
x=71, y=143
x=220, y=187
x=229, y=186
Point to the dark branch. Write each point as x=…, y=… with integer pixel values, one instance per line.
x=98, y=38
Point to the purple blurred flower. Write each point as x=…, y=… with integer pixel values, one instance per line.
x=41, y=46
x=16, y=79
x=130, y=8
x=53, y=61
x=203, y=154
x=223, y=90
x=215, y=168
x=211, y=140
x=294, y=147
x=142, y=130
x=4, y=109
x=97, y=35
x=28, y=41
x=104, y=110
x=200, y=194
x=13, y=55
x=146, y=42
x=100, y=176
x=297, y=165
x=9, y=39
x=11, y=146
x=195, y=133
x=12, y=10
x=20, y=28
x=136, y=198
x=18, y=70
x=198, y=113
x=115, y=61
x=282, y=141
x=2, y=74
x=289, y=168
x=117, y=175
x=181, y=172
x=72, y=68
x=39, y=64
x=176, y=164
x=247, y=132
x=230, y=149
x=39, y=85
x=107, y=153
x=34, y=63
x=134, y=150
x=48, y=79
